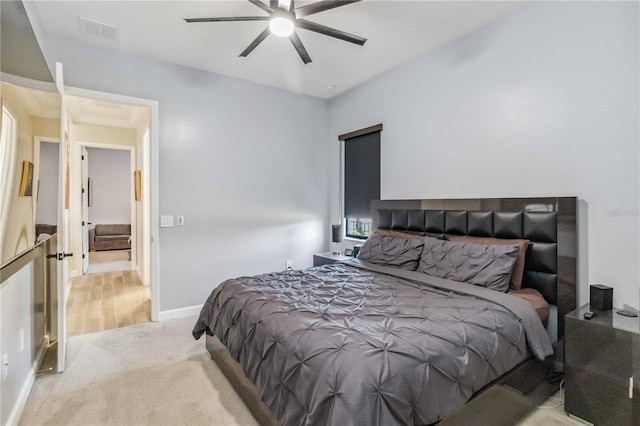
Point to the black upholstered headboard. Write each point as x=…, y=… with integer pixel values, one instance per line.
x=548, y=223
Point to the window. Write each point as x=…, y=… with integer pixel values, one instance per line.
x=358, y=227
x=361, y=179
x=7, y=163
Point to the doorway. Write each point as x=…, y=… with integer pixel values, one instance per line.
x=110, y=220
x=47, y=156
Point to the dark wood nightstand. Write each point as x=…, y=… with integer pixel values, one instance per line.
x=327, y=258
x=601, y=355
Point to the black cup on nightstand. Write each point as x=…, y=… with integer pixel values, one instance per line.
x=601, y=297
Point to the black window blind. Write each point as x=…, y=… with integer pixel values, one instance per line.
x=361, y=174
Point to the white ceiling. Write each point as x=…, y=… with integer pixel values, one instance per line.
x=38, y=103
x=93, y=111
x=46, y=104
x=397, y=31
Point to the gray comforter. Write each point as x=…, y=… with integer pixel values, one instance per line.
x=359, y=344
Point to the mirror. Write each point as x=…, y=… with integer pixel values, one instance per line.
x=29, y=134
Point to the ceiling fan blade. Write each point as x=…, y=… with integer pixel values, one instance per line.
x=297, y=43
x=256, y=42
x=229, y=19
x=263, y=6
x=321, y=6
x=331, y=32
x=285, y=5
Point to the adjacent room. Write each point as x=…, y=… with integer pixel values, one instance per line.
x=285, y=212
x=110, y=181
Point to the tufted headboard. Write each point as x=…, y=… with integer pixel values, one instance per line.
x=548, y=223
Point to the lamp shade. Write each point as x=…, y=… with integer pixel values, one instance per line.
x=336, y=233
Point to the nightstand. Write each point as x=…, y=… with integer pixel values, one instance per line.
x=327, y=258
x=601, y=355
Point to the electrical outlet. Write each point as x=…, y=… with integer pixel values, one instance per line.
x=21, y=340
x=5, y=366
x=288, y=264
x=180, y=221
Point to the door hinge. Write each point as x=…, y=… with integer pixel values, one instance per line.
x=82, y=157
x=83, y=255
x=83, y=223
x=83, y=190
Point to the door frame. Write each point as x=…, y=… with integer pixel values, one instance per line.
x=62, y=247
x=132, y=212
x=154, y=173
x=84, y=209
x=37, y=142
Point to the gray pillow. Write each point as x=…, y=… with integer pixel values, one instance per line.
x=403, y=253
x=484, y=265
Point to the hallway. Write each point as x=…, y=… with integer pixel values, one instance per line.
x=106, y=301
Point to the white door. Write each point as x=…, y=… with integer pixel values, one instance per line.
x=85, y=209
x=63, y=225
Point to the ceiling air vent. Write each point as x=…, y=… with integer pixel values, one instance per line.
x=98, y=29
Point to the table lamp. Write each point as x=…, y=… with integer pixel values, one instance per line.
x=336, y=236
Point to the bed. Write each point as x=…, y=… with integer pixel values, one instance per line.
x=376, y=340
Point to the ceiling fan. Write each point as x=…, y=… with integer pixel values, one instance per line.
x=284, y=18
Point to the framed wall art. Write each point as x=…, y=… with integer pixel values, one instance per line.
x=26, y=184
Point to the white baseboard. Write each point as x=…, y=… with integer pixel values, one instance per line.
x=74, y=273
x=16, y=412
x=180, y=313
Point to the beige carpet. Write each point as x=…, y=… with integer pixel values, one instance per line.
x=148, y=374
x=156, y=374
x=109, y=261
x=551, y=413
x=109, y=256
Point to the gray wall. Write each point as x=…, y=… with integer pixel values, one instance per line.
x=110, y=170
x=21, y=54
x=16, y=313
x=47, y=206
x=244, y=163
x=544, y=102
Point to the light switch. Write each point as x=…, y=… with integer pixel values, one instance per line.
x=166, y=221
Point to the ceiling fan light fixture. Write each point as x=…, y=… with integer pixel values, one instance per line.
x=281, y=26
x=284, y=18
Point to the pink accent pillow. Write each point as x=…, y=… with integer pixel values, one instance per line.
x=534, y=297
x=515, y=281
